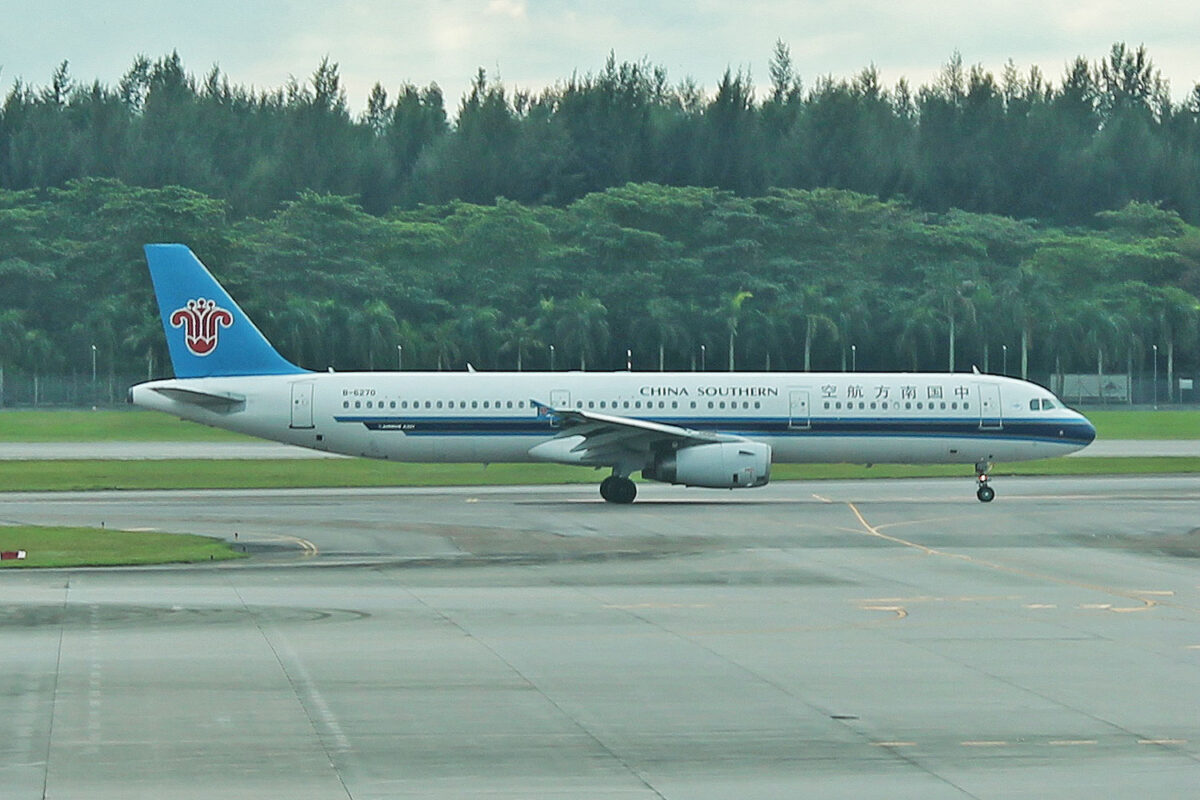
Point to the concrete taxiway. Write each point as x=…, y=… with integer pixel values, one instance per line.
x=827, y=639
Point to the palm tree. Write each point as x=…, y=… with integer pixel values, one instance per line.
x=946, y=291
x=816, y=309
x=580, y=324
x=733, y=315
x=379, y=324
x=664, y=323
x=1026, y=295
x=918, y=333
x=521, y=337
x=479, y=331
x=445, y=343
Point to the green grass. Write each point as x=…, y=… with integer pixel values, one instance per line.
x=84, y=475
x=39, y=476
x=1146, y=424
x=98, y=547
x=105, y=426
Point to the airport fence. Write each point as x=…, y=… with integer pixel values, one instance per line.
x=19, y=390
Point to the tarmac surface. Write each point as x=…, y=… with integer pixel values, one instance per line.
x=825, y=639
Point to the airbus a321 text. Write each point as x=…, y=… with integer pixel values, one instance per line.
x=715, y=430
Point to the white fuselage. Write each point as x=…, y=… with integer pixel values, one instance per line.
x=492, y=416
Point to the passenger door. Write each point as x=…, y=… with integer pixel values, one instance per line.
x=302, y=400
x=991, y=418
x=799, y=414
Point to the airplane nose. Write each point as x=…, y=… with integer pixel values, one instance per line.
x=1086, y=431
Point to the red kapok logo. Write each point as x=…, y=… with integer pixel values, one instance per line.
x=200, y=320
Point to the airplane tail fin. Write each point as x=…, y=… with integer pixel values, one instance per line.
x=208, y=335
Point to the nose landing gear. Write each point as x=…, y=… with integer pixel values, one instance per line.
x=983, y=486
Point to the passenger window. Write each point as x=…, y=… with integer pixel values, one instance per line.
x=591, y=403
x=674, y=404
x=693, y=404
x=358, y=404
x=908, y=405
x=345, y=404
x=637, y=404
x=602, y=404
x=710, y=403
x=474, y=404
x=393, y=404
x=966, y=406
x=626, y=404
x=920, y=405
x=943, y=405
x=827, y=404
x=428, y=404
x=509, y=404
x=757, y=404
x=838, y=404
x=721, y=404
x=439, y=403
x=872, y=404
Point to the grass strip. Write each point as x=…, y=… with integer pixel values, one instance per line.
x=1173, y=424
x=106, y=426
x=101, y=547
x=39, y=476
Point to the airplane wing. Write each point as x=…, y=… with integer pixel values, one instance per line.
x=604, y=439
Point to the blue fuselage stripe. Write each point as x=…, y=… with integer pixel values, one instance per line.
x=1051, y=430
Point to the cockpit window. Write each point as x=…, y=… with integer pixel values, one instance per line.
x=1047, y=404
x=1034, y=404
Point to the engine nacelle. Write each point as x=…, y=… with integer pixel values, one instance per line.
x=721, y=465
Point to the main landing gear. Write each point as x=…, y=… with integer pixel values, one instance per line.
x=983, y=490
x=618, y=489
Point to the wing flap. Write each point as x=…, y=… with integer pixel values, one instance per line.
x=607, y=439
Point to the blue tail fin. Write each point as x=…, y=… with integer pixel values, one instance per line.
x=207, y=333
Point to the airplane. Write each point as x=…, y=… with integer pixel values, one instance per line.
x=704, y=429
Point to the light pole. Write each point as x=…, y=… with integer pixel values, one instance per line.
x=1155, y=376
x=703, y=353
x=1004, y=348
x=629, y=361
x=552, y=358
x=93, y=366
x=400, y=357
x=854, y=358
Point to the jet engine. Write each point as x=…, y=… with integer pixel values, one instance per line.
x=721, y=465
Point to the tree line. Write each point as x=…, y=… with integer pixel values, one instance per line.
x=1017, y=144
x=660, y=276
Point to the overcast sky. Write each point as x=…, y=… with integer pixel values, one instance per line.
x=534, y=43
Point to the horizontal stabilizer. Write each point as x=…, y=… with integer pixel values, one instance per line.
x=222, y=402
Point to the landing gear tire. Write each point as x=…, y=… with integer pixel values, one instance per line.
x=619, y=490
x=985, y=493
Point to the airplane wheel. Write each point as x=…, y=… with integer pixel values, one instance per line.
x=985, y=493
x=618, y=490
